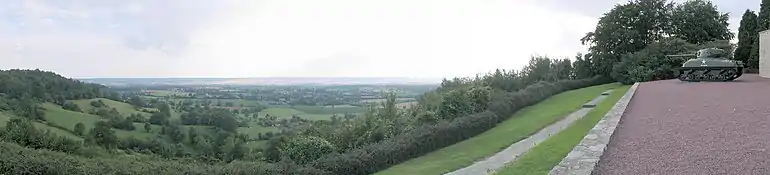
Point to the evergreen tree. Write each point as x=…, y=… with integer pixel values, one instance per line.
x=764, y=15
x=747, y=39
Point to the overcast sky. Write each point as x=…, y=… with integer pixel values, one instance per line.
x=306, y=38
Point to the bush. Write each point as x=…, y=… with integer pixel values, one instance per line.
x=427, y=138
x=22, y=161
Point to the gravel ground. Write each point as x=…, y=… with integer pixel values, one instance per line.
x=673, y=127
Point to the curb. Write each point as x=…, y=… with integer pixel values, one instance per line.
x=585, y=156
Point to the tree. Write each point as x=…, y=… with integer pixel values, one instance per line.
x=699, y=21
x=79, y=129
x=192, y=134
x=627, y=28
x=147, y=127
x=747, y=39
x=103, y=135
x=632, y=27
x=304, y=149
x=764, y=16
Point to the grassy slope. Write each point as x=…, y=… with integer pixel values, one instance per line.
x=4, y=118
x=522, y=124
x=124, y=109
x=549, y=153
x=68, y=119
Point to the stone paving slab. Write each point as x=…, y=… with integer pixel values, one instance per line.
x=585, y=156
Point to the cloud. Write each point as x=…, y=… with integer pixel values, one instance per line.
x=260, y=38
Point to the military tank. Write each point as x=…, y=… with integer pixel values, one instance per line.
x=710, y=64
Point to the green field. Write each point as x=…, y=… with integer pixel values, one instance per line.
x=543, y=157
x=283, y=112
x=68, y=119
x=522, y=124
x=124, y=109
x=165, y=93
x=236, y=102
x=4, y=118
x=340, y=109
x=381, y=100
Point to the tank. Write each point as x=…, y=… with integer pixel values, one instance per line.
x=710, y=64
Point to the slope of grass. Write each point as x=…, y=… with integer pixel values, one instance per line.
x=4, y=118
x=525, y=122
x=124, y=109
x=543, y=157
x=68, y=119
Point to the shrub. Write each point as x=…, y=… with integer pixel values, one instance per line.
x=427, y=138
x=22, y=161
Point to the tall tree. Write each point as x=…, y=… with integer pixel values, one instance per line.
x=764, y=15
x=627, y=28
x=747, y=39
x=699, y=21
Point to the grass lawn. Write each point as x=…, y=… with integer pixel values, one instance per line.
x=543, y=157
x=124, y=109
x=525, y=122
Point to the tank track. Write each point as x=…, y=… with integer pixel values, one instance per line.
x=696, y=74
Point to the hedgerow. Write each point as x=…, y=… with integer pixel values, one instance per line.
x=427, y=138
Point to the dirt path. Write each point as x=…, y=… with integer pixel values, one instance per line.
x=673, y=127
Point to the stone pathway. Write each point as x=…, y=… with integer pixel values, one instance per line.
x=585, y=155
x=507, y=155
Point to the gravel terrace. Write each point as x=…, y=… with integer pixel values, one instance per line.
x=674, y=127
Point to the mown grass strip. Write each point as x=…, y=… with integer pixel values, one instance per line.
x=549, y=153
x=524, y=123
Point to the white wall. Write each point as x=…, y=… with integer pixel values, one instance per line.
x=764, y=53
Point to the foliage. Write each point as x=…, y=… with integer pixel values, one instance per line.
x=748, y=39
x=304, y=149
x=20, y=160
x=79, y=129
x=22, y=132
x=426, y=138
x=633, y=26
x=764, y=16
x=699, y=21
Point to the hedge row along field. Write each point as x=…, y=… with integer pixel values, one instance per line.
x=427, y=138
x=22, y=161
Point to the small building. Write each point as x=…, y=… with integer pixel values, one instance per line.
x=764, y=53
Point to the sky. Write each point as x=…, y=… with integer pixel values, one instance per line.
x=296, y=38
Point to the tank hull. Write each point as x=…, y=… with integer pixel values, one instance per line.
x=696, y=74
